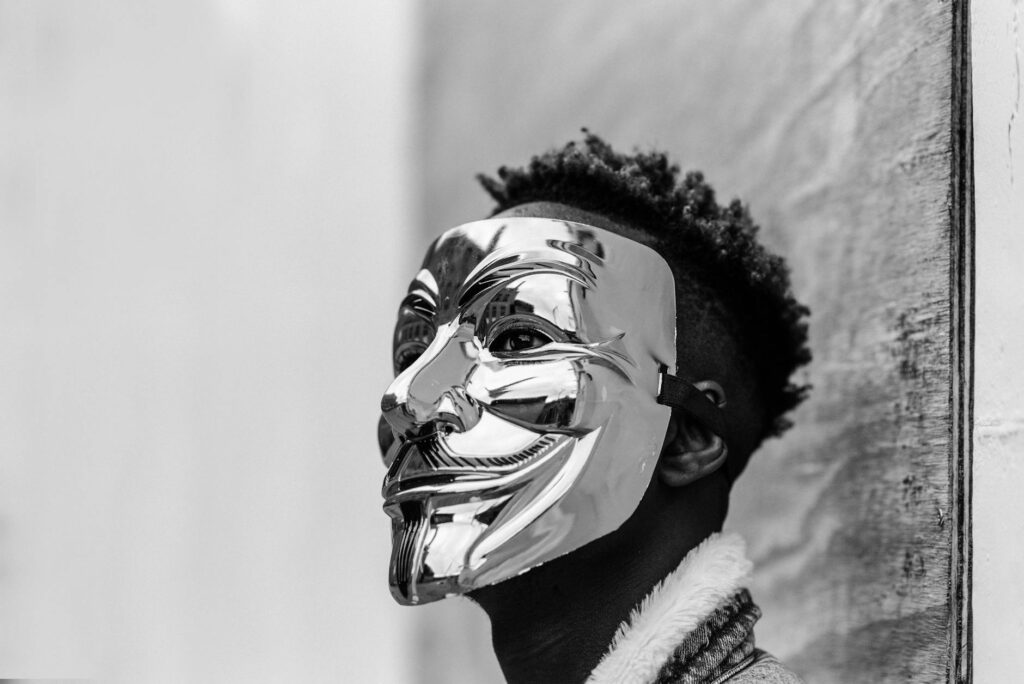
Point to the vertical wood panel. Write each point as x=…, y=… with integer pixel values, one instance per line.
x=833, y=121
x=997, y=53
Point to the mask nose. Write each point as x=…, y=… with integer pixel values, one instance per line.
x=432, y=391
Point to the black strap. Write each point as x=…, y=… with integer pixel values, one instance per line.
x=680, y=393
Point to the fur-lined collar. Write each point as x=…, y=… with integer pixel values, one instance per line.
x=708, y=575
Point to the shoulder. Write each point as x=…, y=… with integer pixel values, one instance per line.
x=762, y=668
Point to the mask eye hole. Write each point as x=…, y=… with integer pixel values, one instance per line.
x=520, y=333
x=407, y=354
x=518, y=339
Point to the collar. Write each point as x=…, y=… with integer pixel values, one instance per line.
x=709, y=575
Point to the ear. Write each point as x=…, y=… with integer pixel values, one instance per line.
x=691, y=451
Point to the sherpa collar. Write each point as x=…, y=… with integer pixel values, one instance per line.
x=708, y=575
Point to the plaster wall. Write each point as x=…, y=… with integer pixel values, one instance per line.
x=833, y=121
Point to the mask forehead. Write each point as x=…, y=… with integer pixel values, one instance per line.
x=613, y=286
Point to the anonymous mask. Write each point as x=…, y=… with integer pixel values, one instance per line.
x=529, y=355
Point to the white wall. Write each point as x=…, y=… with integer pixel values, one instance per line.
x=997, y=44
x=202, y=215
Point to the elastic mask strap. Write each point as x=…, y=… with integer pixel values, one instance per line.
x=680, y=393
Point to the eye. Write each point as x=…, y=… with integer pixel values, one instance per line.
x=407, y=355
x=412, y=336
x=518, y=339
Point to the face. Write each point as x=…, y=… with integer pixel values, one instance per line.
x=527, y=354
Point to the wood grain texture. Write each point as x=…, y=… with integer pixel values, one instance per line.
x=833, y=121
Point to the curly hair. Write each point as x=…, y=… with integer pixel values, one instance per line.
x=712, y=250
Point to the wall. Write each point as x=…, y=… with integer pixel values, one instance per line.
x=202, y=210
x=998, y=79
x=833, y=121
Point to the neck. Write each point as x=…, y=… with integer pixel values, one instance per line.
x=555, y=622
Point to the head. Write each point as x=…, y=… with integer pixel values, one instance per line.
x=524, y=421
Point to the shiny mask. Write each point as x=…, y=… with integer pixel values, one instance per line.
x=528, y=410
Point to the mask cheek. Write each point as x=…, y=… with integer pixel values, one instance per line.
x=605, y=392
x=541, y=396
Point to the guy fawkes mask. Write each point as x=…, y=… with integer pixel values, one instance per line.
x=529, y=355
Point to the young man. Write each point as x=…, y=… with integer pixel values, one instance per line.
x=579, y=381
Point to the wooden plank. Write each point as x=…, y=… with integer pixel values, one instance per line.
x=834, y=122
x=997, y=507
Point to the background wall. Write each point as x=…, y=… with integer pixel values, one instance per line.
x=203, y=208
x=833, y=121
x=998, y=81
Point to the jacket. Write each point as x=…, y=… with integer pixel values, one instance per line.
x=696, y=626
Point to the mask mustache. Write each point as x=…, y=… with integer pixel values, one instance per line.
x=436, y=466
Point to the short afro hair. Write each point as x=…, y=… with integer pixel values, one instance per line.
x=713, y=248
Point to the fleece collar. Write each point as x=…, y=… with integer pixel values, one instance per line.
x=708, y=575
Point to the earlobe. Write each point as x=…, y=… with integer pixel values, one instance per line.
x=691, y=451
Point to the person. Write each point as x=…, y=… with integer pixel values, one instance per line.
x=580, y=379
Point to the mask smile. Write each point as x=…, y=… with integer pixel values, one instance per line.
x=430, y=466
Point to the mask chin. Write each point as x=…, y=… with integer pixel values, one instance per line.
x=452, y=537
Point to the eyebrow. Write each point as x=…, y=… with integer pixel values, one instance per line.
x=422, y=296
x=501, y=271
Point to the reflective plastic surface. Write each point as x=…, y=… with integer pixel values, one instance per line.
x=524, y=412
